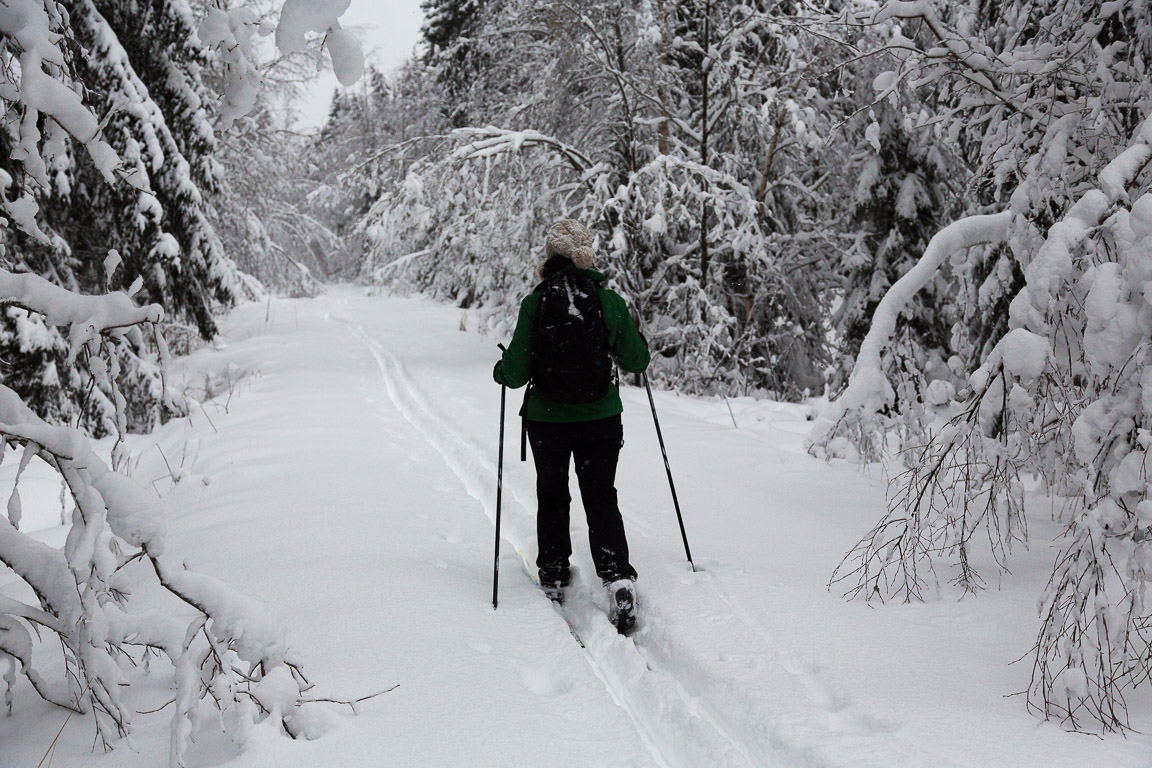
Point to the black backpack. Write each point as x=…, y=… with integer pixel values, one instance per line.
x=571, y=361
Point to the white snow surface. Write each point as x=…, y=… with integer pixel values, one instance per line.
x=342, y=472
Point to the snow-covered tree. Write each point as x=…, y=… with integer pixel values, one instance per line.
x=901, y=199
x=124, y=128
x=81, y=217
x=143, y=72
x=1048, y=105
x=646, y=120
x=451, y=49
x=259, y=207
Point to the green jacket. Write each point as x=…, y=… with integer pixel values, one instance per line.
x=625, y=342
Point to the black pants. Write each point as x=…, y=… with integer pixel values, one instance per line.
x=596, y=447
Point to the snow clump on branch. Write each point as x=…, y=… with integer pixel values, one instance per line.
x=234, y=651
x=1062, y=393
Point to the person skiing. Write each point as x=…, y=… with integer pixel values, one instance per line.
x=569, y=330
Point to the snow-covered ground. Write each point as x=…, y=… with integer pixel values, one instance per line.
x=343, y=471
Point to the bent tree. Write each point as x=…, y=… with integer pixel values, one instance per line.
x=1053, y=364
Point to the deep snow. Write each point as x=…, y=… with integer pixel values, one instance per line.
x=343, y=471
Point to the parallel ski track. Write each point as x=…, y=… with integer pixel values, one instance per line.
x=685, y=716
x=675, y=731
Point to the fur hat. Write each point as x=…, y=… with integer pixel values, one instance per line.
x=571, y=239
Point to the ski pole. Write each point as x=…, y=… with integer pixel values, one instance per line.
x=668, y=469
x=499, y=496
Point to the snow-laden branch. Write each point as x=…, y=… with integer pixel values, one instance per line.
x=868, y=389
x=236, y=648
x=1095, y=639
x=37, y=31
x=490, y=141
x=1063, y=395
x=88, y=316
x=34, y=30
x=80, y=588
x=232, y=31
x=1053, y=267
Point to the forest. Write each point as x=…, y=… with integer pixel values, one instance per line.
x=931, y=219
x=936, y=214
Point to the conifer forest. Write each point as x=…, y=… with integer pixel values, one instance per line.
x=926, y=225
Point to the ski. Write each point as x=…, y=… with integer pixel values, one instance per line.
x=534, y=575
x=623, y=605
x=571, y=629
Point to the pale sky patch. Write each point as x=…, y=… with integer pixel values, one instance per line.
x=388, y=30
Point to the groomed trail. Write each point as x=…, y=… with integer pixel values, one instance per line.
x=343, y=470
x=685, y=715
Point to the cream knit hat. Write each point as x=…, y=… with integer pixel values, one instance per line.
x=572, y=239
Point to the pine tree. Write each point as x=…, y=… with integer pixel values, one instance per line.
x=156, y=218
x=901, y=200
x=166, y=134
x=446, y=22
x=449, y=33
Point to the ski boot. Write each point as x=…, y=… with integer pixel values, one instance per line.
x=554, y=591
x=622, y=605
x=554, y=581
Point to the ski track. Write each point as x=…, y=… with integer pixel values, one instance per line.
x=685, y=714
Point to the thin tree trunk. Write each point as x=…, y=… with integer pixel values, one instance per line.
x=761, y=193
x=763, y=190
x=662, y=85
x=705, y=70
x=629, y=129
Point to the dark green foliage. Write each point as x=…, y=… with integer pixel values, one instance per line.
x=449, y=30
x=141, y=71
x=901, y=201
x=171, y=245
x=446, y=22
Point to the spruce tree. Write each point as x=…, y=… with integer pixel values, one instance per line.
x=900, y=201
x=141, y=69
x=449, y=34
x=150, y=61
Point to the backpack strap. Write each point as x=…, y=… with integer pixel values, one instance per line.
x=524, y=425
x=528, y=389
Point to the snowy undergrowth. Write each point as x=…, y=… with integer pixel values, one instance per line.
x=223, y=646
x=1062, y=397
x=346, y=481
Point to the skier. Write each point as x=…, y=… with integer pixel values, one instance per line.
x=569, y=330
